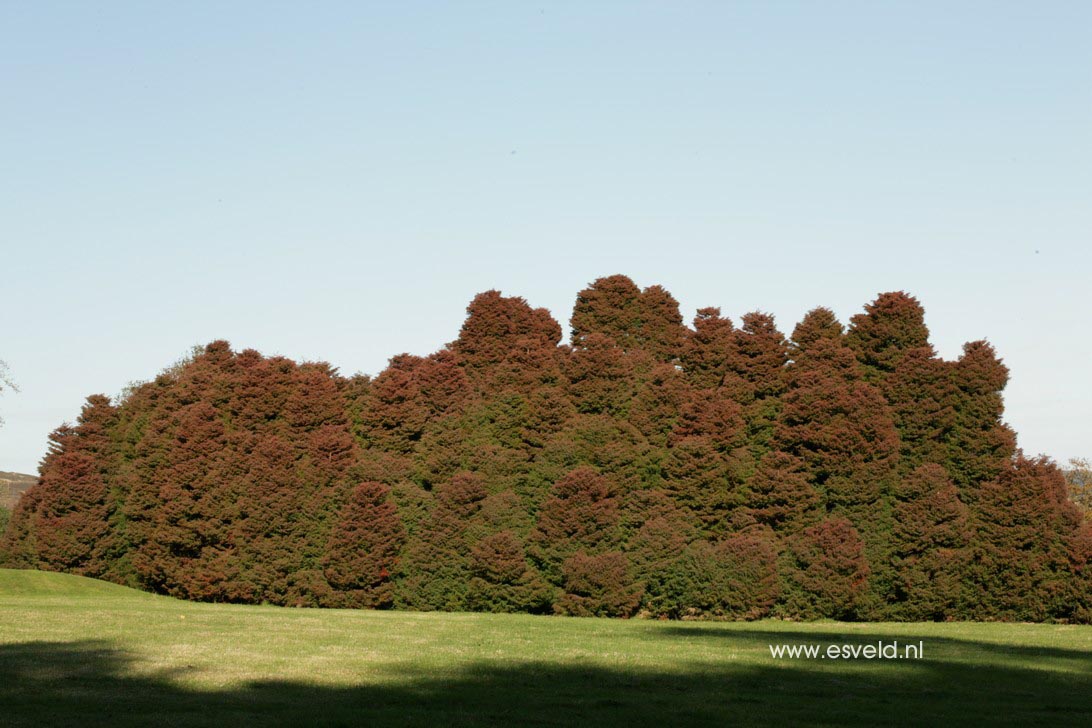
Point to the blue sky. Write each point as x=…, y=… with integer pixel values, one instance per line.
x=336, y=182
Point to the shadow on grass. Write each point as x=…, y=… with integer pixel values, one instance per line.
x=90, y=683
x=946, y=649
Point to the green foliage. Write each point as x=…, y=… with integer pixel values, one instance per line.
x=503, y=580
x=735, y=578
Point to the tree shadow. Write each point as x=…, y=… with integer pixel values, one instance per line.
x=947, y=648
x=91, y=683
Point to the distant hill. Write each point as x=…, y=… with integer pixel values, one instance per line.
x=12, y=486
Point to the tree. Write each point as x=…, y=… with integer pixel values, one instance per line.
x=609, y=306
x=436, y=567
x=705, y=462
x=929, y=545
x=760, y=356
x=890, y=326
x=781, y=494
x=818, y=324
x=233, y=478
x=756, y=376
x=610, y=445
x=839, y=426
x=1078, y=479
x=502, y=579
x=599, y=585
x=1025, y=524
x=505, y=342
x=734, y=578
x=603, y=377
x=709, y=349
x=925, y=402
x=981, y=444
x=69, y=509
x=824, y=572
x=661, y=531
x=363, y=549
x=712, y=472
x=615, y=307
x=582, y=513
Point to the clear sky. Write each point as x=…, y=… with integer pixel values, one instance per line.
x=336, y=181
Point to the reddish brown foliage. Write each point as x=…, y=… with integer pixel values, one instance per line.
x=839, y=426
x=581, y=515
x=825, y=571
x=598, y=586
x=63, y=524
x=364, y=546
x=646, y=320
x=719, y=471
x=890, y=326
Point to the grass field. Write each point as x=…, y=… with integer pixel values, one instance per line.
x=75, y=651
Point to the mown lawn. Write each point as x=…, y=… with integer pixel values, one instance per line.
x=78, y=652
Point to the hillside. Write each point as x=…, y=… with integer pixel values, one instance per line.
x=78, y=652
x=27, y=583
x=13, y=485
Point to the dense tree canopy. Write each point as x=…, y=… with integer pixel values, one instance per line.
x=721, y=470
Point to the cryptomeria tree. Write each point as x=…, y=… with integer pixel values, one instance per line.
x=721, y=470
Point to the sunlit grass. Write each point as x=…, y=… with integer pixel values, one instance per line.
x=82, y=652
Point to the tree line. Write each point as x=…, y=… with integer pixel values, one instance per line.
x=646, y=468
